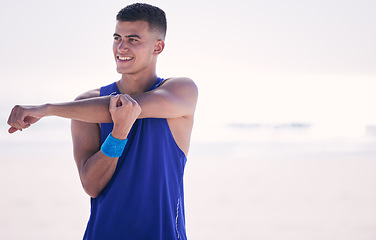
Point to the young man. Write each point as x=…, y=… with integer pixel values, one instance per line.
x=130, y=138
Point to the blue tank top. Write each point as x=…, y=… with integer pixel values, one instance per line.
x=144, y=199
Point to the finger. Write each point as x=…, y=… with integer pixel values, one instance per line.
x=22, y=123
x=119, y=102
x=124, y=99
x=11, y=119
x=129, y=99
x=20, y=118
x=113, y=101
x=14, y=123
x=17, y=117
x=17, y=120
x=13, y=130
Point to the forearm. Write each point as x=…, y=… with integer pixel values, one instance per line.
x=92, y=110
x=96, y=172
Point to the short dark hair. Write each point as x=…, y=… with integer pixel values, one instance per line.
x=154, y=16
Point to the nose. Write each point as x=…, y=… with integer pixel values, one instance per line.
x=123, y=46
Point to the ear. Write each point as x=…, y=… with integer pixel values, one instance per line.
x=158, y=47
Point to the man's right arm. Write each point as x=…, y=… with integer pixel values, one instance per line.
x=94, y=168
x=87, y=154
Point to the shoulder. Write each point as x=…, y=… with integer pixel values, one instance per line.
x=180, y=84
x=89, y=94
x=180, y=81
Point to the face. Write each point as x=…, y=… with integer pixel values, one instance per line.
x=135, y=48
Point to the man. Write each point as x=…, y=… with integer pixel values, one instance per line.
x=130, y=138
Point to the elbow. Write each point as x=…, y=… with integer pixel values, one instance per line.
x=93, y=195
x=81, y=97
x=91, y=189
x=91, y=192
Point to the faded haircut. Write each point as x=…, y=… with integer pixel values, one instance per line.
x=154, y=16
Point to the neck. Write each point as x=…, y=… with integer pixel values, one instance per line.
x=135, y=84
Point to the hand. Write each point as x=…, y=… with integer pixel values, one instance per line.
x=124, y=111
x=22, y=117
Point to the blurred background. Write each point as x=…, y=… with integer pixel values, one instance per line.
x=284, y=143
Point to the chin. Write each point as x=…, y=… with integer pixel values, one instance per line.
x=123, y=71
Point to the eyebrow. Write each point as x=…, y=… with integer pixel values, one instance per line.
x=128, y=36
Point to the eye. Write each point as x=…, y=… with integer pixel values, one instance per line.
x=133, y=40
x=117, y=38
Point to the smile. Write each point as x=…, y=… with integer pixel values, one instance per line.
x=124, y=58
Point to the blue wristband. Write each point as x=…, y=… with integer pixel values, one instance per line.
x=113, y=147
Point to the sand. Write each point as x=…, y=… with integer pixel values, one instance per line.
x=261, y=191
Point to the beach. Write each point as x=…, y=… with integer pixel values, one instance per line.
x=315, y=196
x=274, y=188
x=284, y=140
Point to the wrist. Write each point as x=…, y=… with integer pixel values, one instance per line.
x=46, y=110
x=113, y=147
x=120, y=133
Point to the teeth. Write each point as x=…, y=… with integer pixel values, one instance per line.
x=124, y=58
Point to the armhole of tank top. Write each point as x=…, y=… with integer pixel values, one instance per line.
x=163, y=82
x=173, y=138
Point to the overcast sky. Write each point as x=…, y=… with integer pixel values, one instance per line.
x=254, y=61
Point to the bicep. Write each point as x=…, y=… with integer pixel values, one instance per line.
x=86, y=141
x=175, y=98
x=85, y=136
x=89, y=94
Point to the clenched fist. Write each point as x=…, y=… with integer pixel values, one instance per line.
x=22, y=117
x=124, y=111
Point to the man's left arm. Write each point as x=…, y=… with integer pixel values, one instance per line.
x=176, y=97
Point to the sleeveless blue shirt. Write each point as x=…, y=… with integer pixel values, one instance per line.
x=144, y=199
